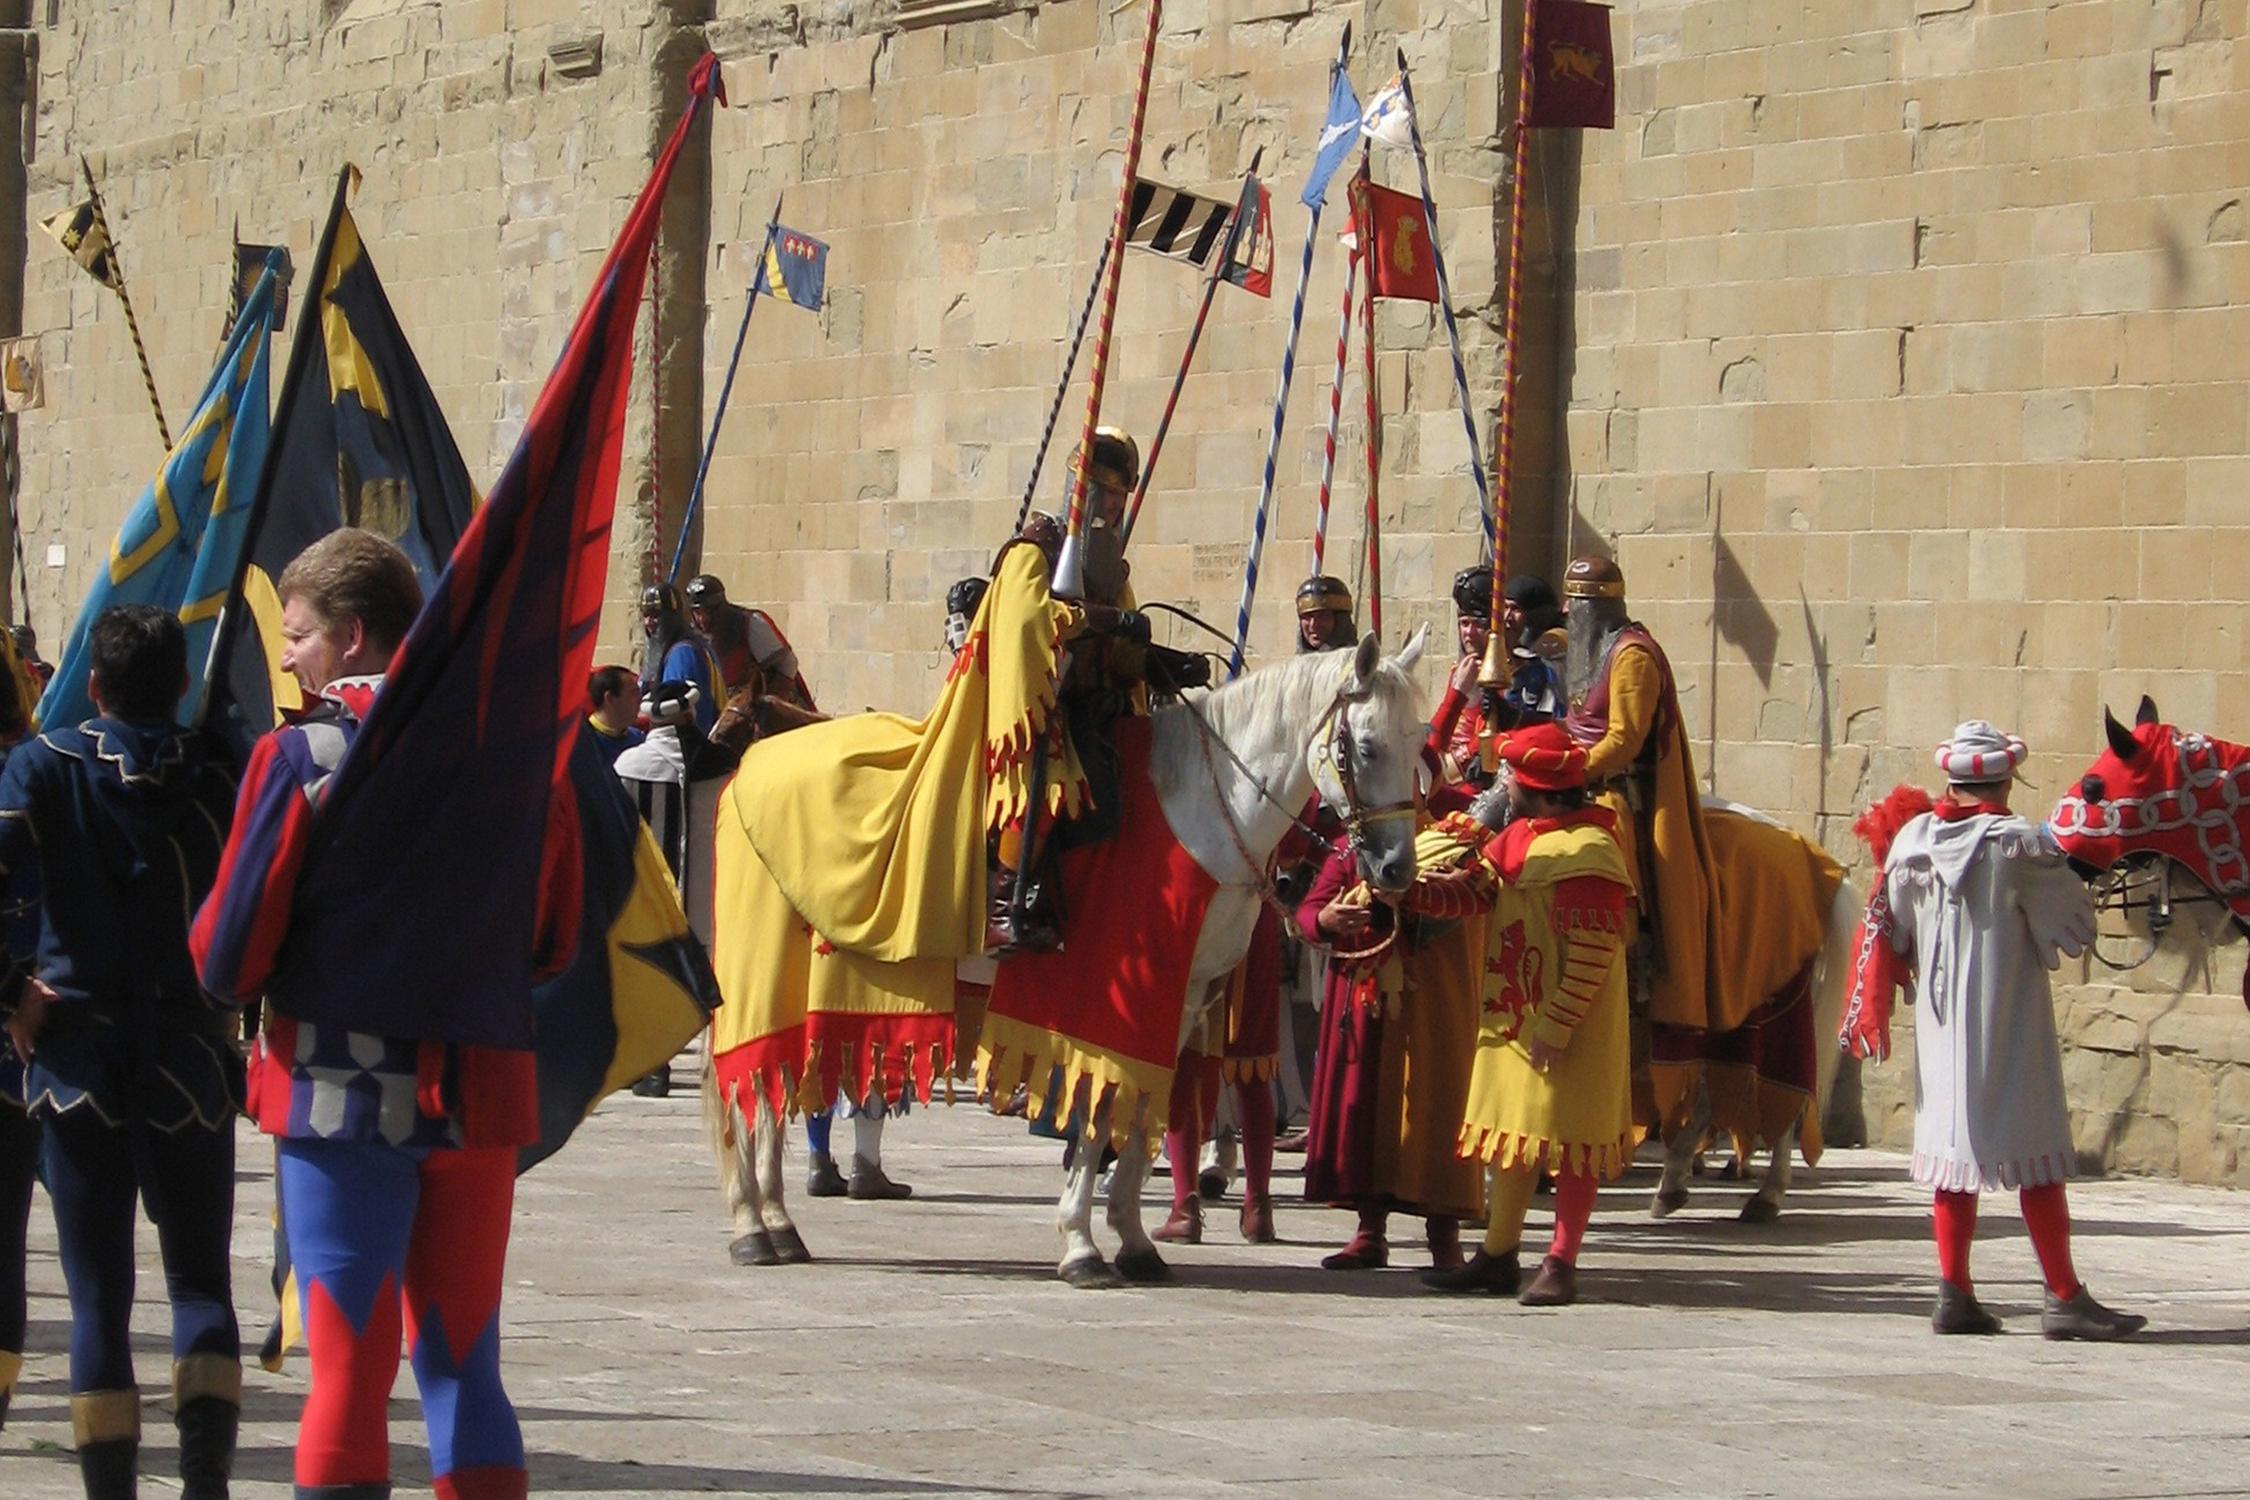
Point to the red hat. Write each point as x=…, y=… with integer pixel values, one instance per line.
x=1544, y=758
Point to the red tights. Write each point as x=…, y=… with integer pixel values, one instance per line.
x=2045, y=1214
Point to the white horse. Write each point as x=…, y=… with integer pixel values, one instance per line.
x=1231, y=769
x=1832, y=972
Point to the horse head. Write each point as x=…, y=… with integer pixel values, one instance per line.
x=2156, y=791
x=1367, y=765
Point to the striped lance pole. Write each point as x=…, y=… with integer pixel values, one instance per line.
x=1371, y=542
x=1335, y=415
x=1505, y=443
x=1062, y=386
x=125, y=300
x=1445, y=306
x=1245, y=204
x=1070, y=569
x=1280, y=410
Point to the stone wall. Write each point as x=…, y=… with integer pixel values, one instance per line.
x=1911, y=385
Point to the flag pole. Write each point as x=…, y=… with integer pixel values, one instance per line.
x=1335, y=414
x=1493, y=675
x=1062, y=386
x=125, y=300
x=1244, y=205
x=1445, y=306
x=726, y=389
x=1280, y=404
x=1070, y=569
x=1371, y=540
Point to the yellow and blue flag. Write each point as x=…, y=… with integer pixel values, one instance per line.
x=179, y=545
x=795, y=269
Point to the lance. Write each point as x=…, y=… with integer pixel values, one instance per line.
x=1335, y=414
x=124, y=299
x=1070, y=582
x=1492, y=676
x=1062, y=384
x=1371, y=541
x=1445, y=306
x=1244, y=205
x=726, y=389
x=1280, y=405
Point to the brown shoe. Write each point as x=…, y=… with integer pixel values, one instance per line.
x=1366, y=1252
x=2081, y=1317
x=1444, y=1237
x=1185, y=1227
x=1026, y=925
x=1556, y=1285
x=1499, y=1274
x=1293, y=1142
x=870, y=1181
x=1959, y=1311
x=1257, y=1220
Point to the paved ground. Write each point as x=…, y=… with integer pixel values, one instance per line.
x=930, y=1352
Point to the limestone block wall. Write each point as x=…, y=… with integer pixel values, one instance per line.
x=492, y=186
x=1910, y=385
x=964, y=176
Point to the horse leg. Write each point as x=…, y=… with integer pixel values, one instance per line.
x=773, y=1204
x=1082, y=1264
x=1137, y=1258
x=1764, y=1205
x=1680, y=1149
x=738, y=1173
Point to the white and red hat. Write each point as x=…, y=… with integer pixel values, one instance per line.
x=1980, y=753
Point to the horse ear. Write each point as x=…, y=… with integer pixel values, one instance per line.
x=1364, y=662
x=2146, y=714
x=1414, y=643
x=2120, y=738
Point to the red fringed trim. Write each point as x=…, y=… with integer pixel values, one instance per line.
x=766, y=1069
x=1881, y=823
x=1589, y=901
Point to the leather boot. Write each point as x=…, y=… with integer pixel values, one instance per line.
x=2081, y=1317
x=1959, y=1311
x=207, y=1410
x=1556, y=1285
x=1499, y=1274
x=1367, y=1251
x=1444, y=1237
x=106, y=1426
x=1257, y=1219
x=870, y=1181
x=823, y=1179
x=1030, y=926
x=1185, y=1227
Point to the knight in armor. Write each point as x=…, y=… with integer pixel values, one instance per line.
x=961, y=604
x=1532, y=625
x=1324, y=615
x=1624, y=712
x=752, y=652
x=676, y=654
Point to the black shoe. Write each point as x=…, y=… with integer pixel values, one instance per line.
x=656, y=1085
x=107, y=1468
x=1499, y=1274
x=824, y=1180
x=2083, y=1318
x=869, y=1181
x=208, y=1426
x=1959, y=1311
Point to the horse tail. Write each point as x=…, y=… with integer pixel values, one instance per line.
x=1832, y=974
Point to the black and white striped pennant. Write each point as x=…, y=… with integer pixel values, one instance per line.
x=1176, y=223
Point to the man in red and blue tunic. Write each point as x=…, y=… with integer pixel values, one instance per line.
x=397, y=1154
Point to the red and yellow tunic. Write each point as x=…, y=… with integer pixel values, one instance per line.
x=1560, y=899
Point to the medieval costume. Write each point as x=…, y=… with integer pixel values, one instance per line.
x=19, y=1133
x=1324, y=615
x=133, y=1074
x=751, y=652
x=397, y=1162
x=1551, y=1089
x=1391, y=1079
x=1983, y=905
x=676, y=654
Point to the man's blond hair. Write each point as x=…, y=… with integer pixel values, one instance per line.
x=354, y=574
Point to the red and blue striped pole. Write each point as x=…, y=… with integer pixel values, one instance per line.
x=1280, y=411
x=1445, y=306
x=1062, y=386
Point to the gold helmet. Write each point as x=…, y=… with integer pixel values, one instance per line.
x=1593, y=578
x=1116, y=459
x=1323, y=592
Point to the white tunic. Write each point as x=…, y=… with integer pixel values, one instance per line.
x=1987, y=906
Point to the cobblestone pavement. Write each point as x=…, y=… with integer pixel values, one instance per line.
x=930, y=1352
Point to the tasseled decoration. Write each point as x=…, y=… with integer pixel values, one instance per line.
x=1879, y=970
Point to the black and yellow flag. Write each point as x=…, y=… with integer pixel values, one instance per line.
x=83, y=231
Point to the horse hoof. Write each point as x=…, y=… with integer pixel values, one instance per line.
x=1143, y=1266
x=789, y=1247
x=1667, y=1203
x=753, y=1249
x=1091, y=1275
x=1760, y=1211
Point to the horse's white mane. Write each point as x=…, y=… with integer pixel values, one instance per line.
x=1257, y=707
